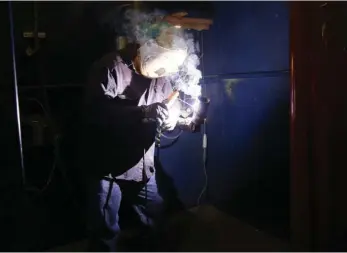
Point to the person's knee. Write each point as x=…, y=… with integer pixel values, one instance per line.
x=103, y=208
x=155, y=206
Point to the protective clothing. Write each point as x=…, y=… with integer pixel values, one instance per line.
x=170, y=123
x=118, y=147
x=157, y=112
x=141, y=205
x=116, y=137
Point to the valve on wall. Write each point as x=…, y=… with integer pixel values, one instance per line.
x=35, y=35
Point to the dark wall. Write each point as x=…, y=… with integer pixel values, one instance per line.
x=245, y=63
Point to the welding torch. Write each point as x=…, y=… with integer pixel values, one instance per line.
x=191, y=124
x=168, y=102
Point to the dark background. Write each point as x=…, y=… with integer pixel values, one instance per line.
x=245, y=65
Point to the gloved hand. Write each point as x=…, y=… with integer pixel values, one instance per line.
x=170, y=123
x=156, y=112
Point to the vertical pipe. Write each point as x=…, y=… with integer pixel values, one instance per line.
x=301, y=216
x=14, y=69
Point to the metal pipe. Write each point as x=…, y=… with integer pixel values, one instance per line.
x=14, y=66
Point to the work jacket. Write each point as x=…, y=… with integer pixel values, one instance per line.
x=116, y=142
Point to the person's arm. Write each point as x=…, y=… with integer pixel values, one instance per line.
x=106, y=110
x=102, y=109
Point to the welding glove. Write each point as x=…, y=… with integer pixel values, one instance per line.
x=170, y=123
x=157, y=112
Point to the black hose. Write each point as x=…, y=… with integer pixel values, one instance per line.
x=170, y=144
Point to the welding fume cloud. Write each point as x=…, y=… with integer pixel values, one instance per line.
x=165, y=50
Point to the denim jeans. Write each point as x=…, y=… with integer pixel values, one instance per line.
x=114, y=203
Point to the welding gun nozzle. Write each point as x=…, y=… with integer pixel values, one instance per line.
x=172, y=98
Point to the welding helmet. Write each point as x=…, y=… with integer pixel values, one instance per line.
x=162, y=56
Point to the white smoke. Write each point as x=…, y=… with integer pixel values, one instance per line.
x=139, y=30
x=136, y=24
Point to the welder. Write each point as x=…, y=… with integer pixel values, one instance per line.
x=123, y=106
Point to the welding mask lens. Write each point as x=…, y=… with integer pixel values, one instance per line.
x=157, y=61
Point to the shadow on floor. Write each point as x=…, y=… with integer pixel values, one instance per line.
x=206, y=229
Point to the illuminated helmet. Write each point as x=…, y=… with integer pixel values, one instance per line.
x=163, y=55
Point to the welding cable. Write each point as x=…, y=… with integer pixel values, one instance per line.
x=56, y=158
x=173, y=142
x=172, y=137
x=145, y=180
x=170, y=144
x=14, y=66
x=175, y=138
x=158, y=136
x=204, y=159
x=40, y=104
x=204, y=135
x=56, y=151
